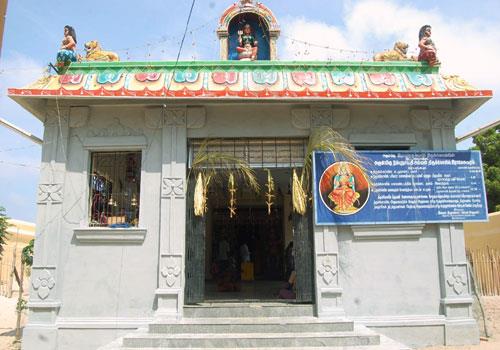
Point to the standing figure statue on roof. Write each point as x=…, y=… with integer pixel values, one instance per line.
x=247, y=45
x=428, y=51
x=66, y=53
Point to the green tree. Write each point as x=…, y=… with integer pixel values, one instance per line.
x=3, y=228
x=489, y=145
x=27, y=255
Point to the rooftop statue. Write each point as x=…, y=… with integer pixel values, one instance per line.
x=96, y=53
x=247, y=44
x=66, y=53
x=246, y=2
x=398, y=53
x=428, y=51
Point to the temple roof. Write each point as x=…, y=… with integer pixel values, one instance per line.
x=262, y=80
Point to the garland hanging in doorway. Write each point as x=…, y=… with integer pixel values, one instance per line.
x=232, y=196
x=212, y=167
x=270, y=194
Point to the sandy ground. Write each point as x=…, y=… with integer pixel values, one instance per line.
x=491, y=304
x=8, y=319
x=492, y=312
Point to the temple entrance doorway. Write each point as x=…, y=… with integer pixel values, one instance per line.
x=246, y=257
x=248, y=251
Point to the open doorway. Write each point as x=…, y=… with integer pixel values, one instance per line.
x=246, y=258
x=246, y=254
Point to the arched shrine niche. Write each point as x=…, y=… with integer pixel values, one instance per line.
x=241, y=17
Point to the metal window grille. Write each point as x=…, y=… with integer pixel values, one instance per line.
x=258, y=153
x=114, y=182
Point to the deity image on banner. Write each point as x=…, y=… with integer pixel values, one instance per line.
x=344, y=188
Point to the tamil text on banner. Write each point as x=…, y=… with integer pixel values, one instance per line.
x=399, y=187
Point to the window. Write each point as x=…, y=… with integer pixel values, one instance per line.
x=115, y=179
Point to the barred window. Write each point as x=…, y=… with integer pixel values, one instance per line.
x=115, y=179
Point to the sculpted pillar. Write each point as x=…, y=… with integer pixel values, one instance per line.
x=456, y=299
x=44, y=302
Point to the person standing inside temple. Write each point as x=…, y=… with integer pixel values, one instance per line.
x=247, y=44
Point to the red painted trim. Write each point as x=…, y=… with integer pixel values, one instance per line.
x=266, y=93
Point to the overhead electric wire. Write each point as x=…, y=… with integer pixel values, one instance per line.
x=185, y=32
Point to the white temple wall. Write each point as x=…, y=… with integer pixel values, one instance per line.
x=388, y=276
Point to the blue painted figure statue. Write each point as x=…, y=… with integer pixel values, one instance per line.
x=247, y=44
x=66, y=53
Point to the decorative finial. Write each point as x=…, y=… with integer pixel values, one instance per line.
x=246, y=3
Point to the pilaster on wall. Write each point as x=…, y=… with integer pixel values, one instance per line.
x=174, y=123
x=456, y=299
x=44, y=293
x=326, y=262
x=326, y=251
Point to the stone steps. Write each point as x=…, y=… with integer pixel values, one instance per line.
x=249, y=340
x=253, y=325
x=232, y=310
x=272, y=326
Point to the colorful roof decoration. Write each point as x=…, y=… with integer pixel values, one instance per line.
x=250, y=80
x=248, y=6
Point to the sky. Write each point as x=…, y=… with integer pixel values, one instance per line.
x=466, y=34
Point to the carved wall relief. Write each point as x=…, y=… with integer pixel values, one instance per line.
x=196, y=117
x=171, y=270
x=301, y=118
x=43, y=281
x=115, y=128
x=50, y=193
x=328, y=269
x=153, y=118
x=172, y=187
x=442, y=119
x=78, y=117
x=457, y=282
x=317, y=117
x=420, y=119
x=175, y=117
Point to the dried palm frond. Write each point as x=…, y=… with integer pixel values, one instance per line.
x=199, y=196
x=219, y=164
x=299, y=196
x=328, y=140
x=270, y=192
x=216, y=166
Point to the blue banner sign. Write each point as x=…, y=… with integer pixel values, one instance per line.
x=401, y=187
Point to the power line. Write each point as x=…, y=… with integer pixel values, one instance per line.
x=185, y=31
x=16, y=148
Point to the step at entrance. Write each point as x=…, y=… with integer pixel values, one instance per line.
x=231, y=310
x=253, y=326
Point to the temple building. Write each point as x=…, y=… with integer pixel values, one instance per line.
x=151, y=232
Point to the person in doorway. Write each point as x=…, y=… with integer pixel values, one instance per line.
x=288, y=290
x=274, y=255
x=289, y=260
x=244, y=253
x=223, y=254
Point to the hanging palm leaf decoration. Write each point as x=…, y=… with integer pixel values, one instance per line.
x=232, y=196
x=321, y=139
x=199, y=196
x=299, y=197
x=270, y=194
x=214, y=167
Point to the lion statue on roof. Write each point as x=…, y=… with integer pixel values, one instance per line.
x=96, y=53
x=398, y=53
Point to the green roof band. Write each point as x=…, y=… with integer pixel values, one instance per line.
x=314, y=66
